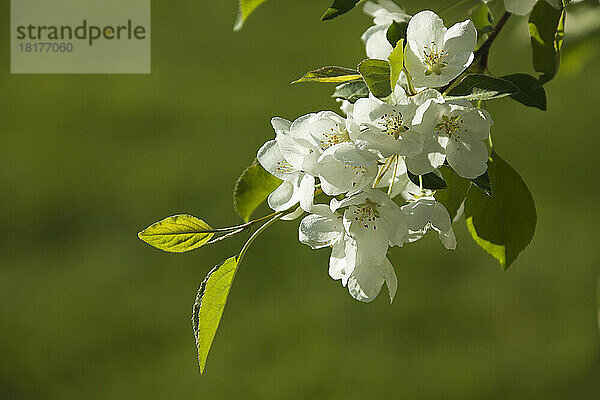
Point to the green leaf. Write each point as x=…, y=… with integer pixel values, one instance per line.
x=246, y=8
x=482, y=19
x=377, y=75
x=431, y=181
x=351, y=91
x=482, y=87
x=330, y=74
x=503, y=224
x=338, y=8
x=396, y=32
x=453, y=196
x=396, y=61
x=546, y=27
x=531, y=93
x=483, y=183
x=209, y=305
x=252, y=188
x=177, y=234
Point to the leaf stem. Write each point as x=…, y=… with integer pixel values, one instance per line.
x=258, y=232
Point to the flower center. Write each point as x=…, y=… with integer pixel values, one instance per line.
x=333, y=137
x=451, y=126
x=284, y=167
x=435, y=59
x=366, y=214
x=393, y=124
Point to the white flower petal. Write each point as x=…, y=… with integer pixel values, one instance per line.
x=468, y=159
x=272, y=160
x=319, y=231
x=284, y=197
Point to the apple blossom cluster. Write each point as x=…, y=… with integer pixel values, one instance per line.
x=351, y=173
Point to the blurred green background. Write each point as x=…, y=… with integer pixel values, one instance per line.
x=88, y=311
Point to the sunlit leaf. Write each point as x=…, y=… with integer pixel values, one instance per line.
x=252, y=188
x=177, y=234
x=330, y=74
x=504, y=223
x=209, y=305
x=482, y=19
x=246, y=8
x=377, y=75
x=396, y=60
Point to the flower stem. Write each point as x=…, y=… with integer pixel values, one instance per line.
x=393, y=175
x=480, y=60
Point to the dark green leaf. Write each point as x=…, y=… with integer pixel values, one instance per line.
x=482, y=19
x=453, y=196
x=352, y=91
x=482, y=87
x=330, y=74
x=377, y=75
x=209, y=306
x=502, y=224
x=483, y=183
x=396, y=31
x=246, y=8
x=546, y=26
x=338, y=8
x=252, y=188
x=431, y=181
x=531, y=93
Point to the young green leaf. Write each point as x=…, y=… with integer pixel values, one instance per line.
x=351, y=91
x=546, y=26
x=396, y=31
x=377, y=75
x=396, y=60
x=338, y=8
x=531, y=93
x=252, y=188
x=454, y=195
x=504, y=223
x=482, y=87
x=330, y=75
x=246, y=8
x=209, y=305
x=482, y=19
x=431, y=181
x=177, y=234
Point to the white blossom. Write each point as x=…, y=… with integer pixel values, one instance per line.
x=375, y=38
x=435, y=55
x=424, y=213
x=455, y=133
x=325, y=228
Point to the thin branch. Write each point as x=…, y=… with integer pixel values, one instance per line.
x=482, y=54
